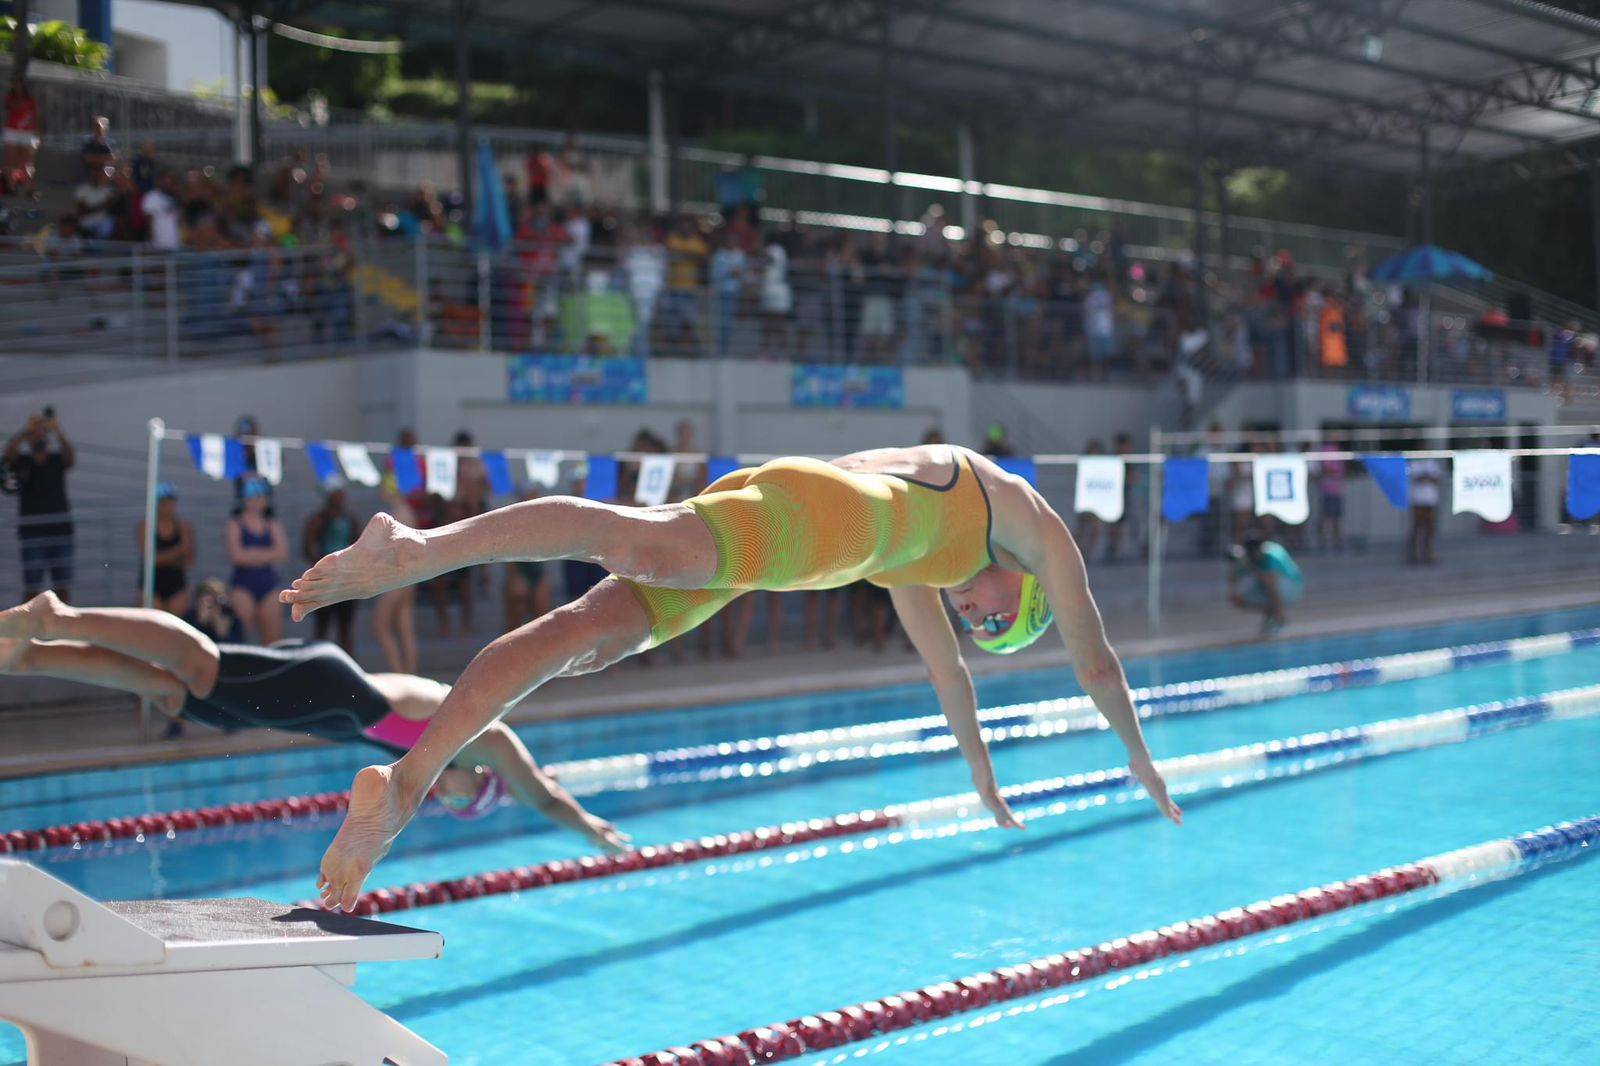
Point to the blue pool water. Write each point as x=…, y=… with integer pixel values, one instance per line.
x=590, y=972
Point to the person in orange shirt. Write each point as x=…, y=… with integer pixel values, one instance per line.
x=1331, y=331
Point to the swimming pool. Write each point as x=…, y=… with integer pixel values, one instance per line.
x=593, y=971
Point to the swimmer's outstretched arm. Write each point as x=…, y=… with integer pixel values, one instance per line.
x=1042, y=542
x=501, y=750
x=667, y=545
x=922, y=612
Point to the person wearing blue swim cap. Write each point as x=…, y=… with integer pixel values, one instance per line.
x=941, y=528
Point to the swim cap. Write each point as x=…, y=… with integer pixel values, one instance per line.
x=1033, y=618
x=257, y=486
x=166, y=491
x=488, y=798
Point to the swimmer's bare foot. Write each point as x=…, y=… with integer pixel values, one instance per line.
x=378, y=562
x=377, y=814
x=31, y=620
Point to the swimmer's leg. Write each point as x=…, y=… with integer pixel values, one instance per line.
x=606, y=624
x=72, y=660
x=667, y=545
x=154, y=636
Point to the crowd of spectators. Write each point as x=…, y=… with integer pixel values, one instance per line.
x=583, y=275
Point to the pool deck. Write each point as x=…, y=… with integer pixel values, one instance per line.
x=85, y=730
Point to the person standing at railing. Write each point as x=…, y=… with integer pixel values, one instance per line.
x=174, y=545
x=22, y=131
x=37, y=458
x=1425, y=477
x=256, y=544
x=728, y=268
x=687, y=254
x=644, y=267
x=92, y=202
x=777, y=298
x=1100, y=328
x=164, y=214
x=331, y=528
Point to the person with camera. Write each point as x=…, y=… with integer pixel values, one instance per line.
x=36, y=461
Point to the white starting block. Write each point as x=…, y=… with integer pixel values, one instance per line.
x=195, y=982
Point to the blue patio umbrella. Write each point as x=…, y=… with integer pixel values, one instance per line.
x=491, y=216
x=1427, y=263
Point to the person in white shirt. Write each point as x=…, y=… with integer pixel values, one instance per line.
x=1100, y=328
x=645, y=263
x=1425, y=476
x=777, y=299
x=161, y=208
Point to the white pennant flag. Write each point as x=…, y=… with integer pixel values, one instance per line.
x=1100, y=482
x=1482, y=484
x=655, y=479
x=544, y=468
x=1281, y=487
x=269, y=459
x=440, y=471
x=214, y=455
x=358, y=464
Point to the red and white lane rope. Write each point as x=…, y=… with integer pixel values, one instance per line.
x=1429, y=878
x=1222, y=769
x=791, y=752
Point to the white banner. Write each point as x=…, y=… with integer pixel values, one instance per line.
x=544, y=468
x=1281, y=487
x=214, y=455
x=269, y=459
x=439, y=471
x=1482, y=484
x=655, y=479
x=1100, y=482
x=357, y=464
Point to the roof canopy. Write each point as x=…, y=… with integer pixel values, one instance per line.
x=1360, y=83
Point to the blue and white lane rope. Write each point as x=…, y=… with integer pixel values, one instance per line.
x=1429, y=878
x=927, y=734
x=962, y=813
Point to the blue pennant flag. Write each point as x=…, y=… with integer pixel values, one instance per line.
x=407, y=470
x=1389, y=473
x=324, y=464
x=601, y=481
x=224, y=459
x=719, y=467
x=1022, y=466
x=494, y=467
x=1583, y=485
x=1185, y=488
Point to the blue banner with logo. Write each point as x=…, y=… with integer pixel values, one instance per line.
x=576, y=379
x=1022, y=466
x=1478, y=405
x=819, y=385
x=600, y=480
x=1378, y=403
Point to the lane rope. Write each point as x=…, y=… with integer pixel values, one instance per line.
x=792, y=752
x=1428, y=878
x=963, y=812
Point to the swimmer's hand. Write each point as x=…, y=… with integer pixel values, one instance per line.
x=1003, y=817
x=1156, y=786
x=607, y=835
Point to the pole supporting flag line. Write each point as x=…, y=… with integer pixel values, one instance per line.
x=793, y=752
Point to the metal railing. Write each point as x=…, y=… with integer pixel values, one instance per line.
x=137, y=305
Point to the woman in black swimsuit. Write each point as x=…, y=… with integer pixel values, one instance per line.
x=309, y=687
x=174, y=552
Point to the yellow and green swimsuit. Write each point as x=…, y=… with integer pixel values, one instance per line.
x=796, y=524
